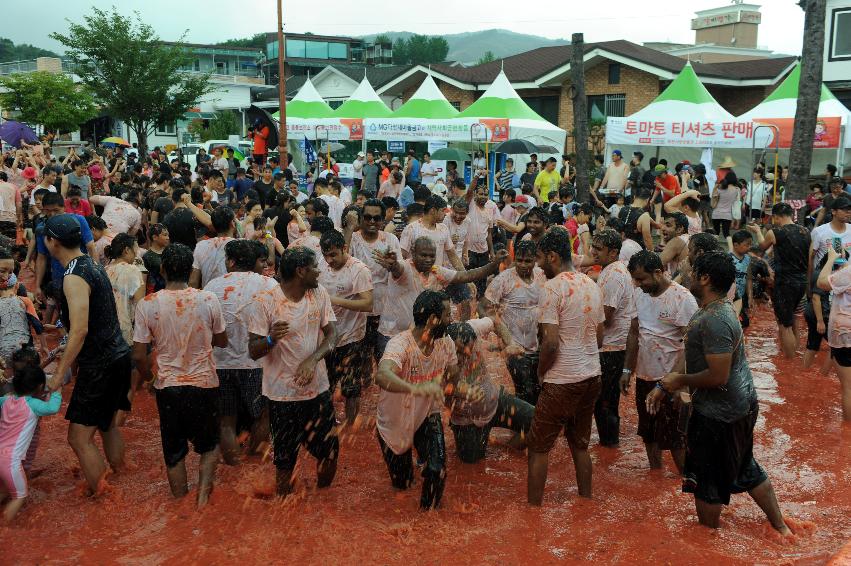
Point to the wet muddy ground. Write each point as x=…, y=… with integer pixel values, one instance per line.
x=636, y=515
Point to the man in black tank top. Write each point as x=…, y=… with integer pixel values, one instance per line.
x=791, y=254
x=96, y=344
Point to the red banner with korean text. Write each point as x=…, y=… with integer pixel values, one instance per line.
x=826, y=135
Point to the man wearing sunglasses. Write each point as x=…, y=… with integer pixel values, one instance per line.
x=368, y=244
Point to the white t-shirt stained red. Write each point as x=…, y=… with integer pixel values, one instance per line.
x=399, y=415
x=662, y=324
x=573, y=301
x=181, y=325
x=348, y=282
x=306, y=319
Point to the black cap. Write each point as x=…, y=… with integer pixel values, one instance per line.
x=63, y=227
x=841, y=202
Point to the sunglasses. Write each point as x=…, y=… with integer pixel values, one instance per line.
x=372, y=218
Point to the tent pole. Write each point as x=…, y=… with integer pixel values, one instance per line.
x=840, y=151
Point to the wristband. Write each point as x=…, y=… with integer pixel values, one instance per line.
x=269, y=341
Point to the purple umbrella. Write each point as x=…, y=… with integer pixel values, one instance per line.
x=13, y=132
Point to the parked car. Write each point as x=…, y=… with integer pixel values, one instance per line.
x=190, y=151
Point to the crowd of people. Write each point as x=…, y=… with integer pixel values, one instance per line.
x=246, y=303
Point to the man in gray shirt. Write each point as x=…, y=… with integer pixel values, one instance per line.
x=370, y=176
x=719, y=459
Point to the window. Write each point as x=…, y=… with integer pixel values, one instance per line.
x=295, y=48
x=196, y=65
x=338, y=51
x=614, y=73
x=604, y=105
x=456, y=106
x=166, y=129
x=316, y=49
x=272, y=49
x=221, y=67
x=545, y=106
x=840, y=34
x=334, y=104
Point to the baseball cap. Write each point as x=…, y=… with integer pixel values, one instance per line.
x=617, y=152
x=63, y=227
x=361, y=154
x=29, y=173
x=841, y=203
x=659, y=169
x=522, y=201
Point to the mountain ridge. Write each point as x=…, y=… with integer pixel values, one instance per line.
x=468, y=47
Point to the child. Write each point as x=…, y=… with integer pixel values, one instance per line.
x=19, y=413
x=817, y=316
x=739, y=245
x=615, y=209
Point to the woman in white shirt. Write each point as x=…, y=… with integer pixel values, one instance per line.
x=755, y=198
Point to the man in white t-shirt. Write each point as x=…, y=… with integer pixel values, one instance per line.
x=428, y=170
x=431, y=225
x=357, y=166
x=617, y=289
x=208, y=260
x=570, y=317
x=483, y=217
x=240, y=377
x=292, y=329
x=220, y=162
x=48, y=177
x=824, y=236
x=654, y=349
x=349, y=283
x=415, y=365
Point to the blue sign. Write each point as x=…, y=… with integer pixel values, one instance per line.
x=396, y=146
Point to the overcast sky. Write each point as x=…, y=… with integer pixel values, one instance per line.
x=216, y=20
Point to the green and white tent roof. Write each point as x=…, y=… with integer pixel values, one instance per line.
x=307, y=104
x=363, y=103
x=500, y=100
x=783, y=102
x=685, y=99
x=427, y=103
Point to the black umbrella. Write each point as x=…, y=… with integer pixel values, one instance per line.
x=548, y=149
x=516, y=146
x=254, y=114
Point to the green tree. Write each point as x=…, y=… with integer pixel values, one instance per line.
x=258, y=41
x=382, y=38
x=222, y=125
x=52, y=100
x=420, y=50
x=133, y=75
x=488, y=57
x=400, y=51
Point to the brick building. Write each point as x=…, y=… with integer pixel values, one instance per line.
x=620, y=78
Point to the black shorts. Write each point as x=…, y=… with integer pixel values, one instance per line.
x=814, y=338
x=349, y=366
x=842, y=356
x=719, y=458
x=187, y=414
x=311, y=423
x=241, y=388
x=664, y=427
x=99, y=393
x=786, y=299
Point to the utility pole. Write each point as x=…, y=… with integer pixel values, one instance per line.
x=580, y=117
x=282, y=90
x=809, y=96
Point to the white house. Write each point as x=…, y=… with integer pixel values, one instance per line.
x=837, y=49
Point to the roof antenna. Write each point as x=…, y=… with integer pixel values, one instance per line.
x=364, y=73
x=502, y=65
